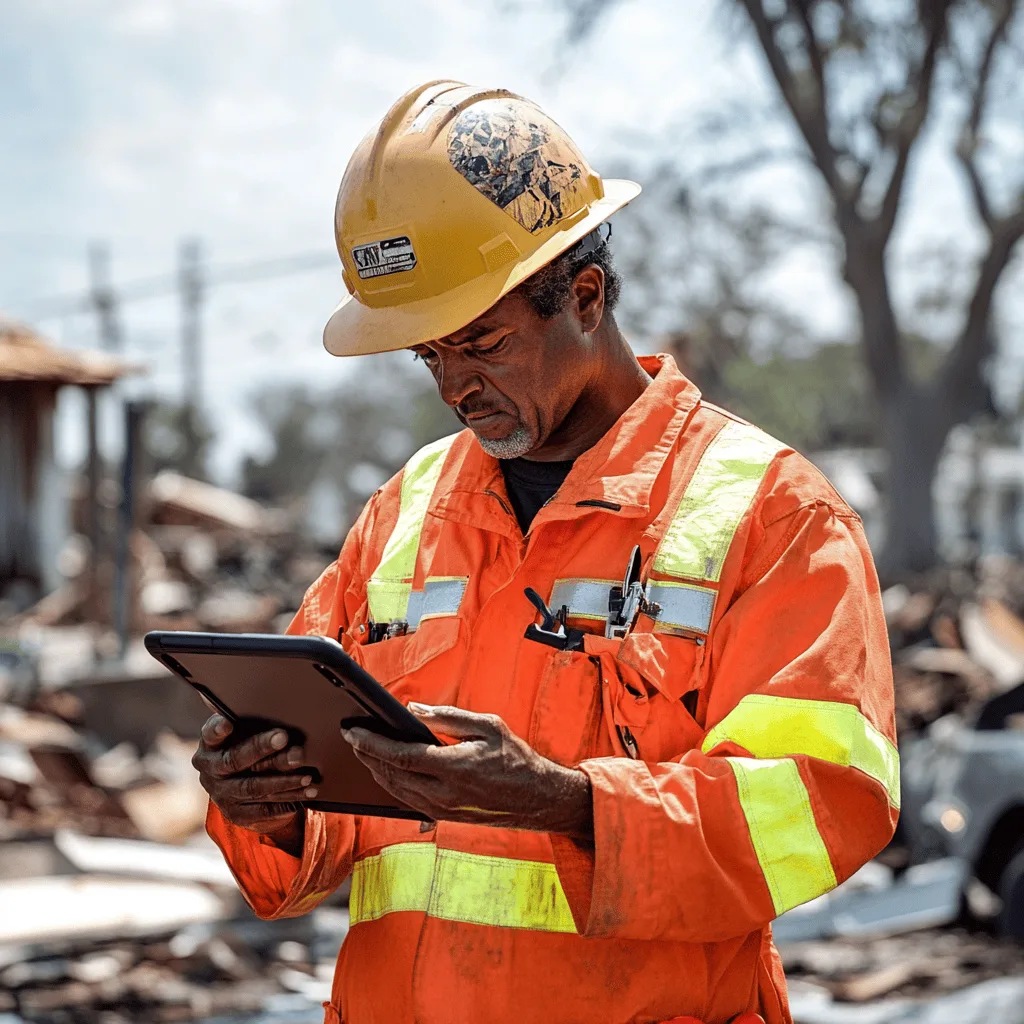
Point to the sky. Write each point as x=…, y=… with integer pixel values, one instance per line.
x=139, y=123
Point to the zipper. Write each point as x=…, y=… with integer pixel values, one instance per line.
x=501, y=501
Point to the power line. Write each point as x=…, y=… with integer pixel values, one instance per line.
x=169, y=284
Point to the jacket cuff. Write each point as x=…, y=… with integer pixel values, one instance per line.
x=574, y=862
x=273, y=882
x=620, y=875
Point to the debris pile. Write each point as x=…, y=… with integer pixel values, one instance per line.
x=55, y=776
x=925, y=963
x=201, y=558
x=117, y=907
x=957, y=640
x=119, y=950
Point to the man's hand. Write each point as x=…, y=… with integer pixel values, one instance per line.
x=254, y=783
x=489, y=777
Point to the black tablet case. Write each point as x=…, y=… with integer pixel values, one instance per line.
x=306, y=685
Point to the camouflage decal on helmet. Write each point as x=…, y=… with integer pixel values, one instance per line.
x=517, y=163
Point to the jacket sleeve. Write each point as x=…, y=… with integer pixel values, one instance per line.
x=274, y=883
x=796, y=783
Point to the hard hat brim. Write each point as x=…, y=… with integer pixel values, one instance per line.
x=355, y=329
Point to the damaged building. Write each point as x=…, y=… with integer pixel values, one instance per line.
x=33, y=508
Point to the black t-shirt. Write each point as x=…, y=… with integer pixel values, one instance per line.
x=531, y=484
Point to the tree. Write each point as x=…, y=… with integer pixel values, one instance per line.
x=860, y=82
x=178, y=437
x=695, y=267
x=354, y=437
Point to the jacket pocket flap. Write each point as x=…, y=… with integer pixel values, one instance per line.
x=389, y=660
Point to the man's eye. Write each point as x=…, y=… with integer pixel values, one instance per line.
x=493, y=347
x=427, y=356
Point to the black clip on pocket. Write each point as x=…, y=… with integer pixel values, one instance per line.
x=552, y=631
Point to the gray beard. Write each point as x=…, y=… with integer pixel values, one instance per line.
x=515, y=446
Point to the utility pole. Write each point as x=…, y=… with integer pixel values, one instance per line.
x=104, y=301
x=192, y=290
x=135, y=413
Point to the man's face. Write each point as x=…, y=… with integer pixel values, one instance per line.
x=511, y=376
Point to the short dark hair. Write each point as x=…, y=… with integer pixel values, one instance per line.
x=549, y=288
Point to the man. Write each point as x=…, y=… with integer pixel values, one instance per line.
x=648, y=770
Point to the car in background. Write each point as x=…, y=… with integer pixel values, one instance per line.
x=963, y=796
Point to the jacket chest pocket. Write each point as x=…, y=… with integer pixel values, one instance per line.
x=423, y=666
x=653, y=684
x=567, y=721
x=636, y=697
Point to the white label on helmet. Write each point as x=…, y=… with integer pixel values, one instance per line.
x=388, y=256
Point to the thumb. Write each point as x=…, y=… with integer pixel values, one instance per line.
x=216, y=731
x=458, y=723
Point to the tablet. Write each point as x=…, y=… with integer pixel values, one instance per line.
x=306, y=685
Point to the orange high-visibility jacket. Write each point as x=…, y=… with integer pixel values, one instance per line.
x=739, y=742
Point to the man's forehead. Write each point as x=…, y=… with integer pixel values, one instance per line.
x=493, y=319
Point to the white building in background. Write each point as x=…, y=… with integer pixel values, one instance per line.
x=978, y=492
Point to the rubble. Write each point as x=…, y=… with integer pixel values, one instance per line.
x=907, y=978
x=957, y=640
x=68, y=908
x=179, y=501
x=97, y=925
x=201, y=557
x=193, y=863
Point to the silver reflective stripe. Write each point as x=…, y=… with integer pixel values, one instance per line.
x=441, y=595
x=682, y=606
x=585, y=599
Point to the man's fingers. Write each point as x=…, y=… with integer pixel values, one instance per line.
x=245, y=755
x=409, y=787
x=284, y=761
x=216, y=729
x=267, y=788
x=384, y=766
x=457, y=722
x=401, y=755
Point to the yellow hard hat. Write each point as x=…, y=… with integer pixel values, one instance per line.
x=457, y=197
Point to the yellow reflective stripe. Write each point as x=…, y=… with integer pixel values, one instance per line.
x=455, y=886
x=721, y=490
x=789, y=848
x=389, y=602
x=500, y=892
x=389, y=587
x=831, y=731
x=397, y=878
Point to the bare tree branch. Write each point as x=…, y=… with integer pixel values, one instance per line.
x=752, y=161
x=811, y=118
x=936, y=14
x=975, y=341
x=967, y=148
x=803, y=9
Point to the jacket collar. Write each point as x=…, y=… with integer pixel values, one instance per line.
x=620, y=470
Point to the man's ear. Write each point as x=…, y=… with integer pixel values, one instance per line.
x=588, y=297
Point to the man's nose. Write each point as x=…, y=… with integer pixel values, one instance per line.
x=457, y=380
